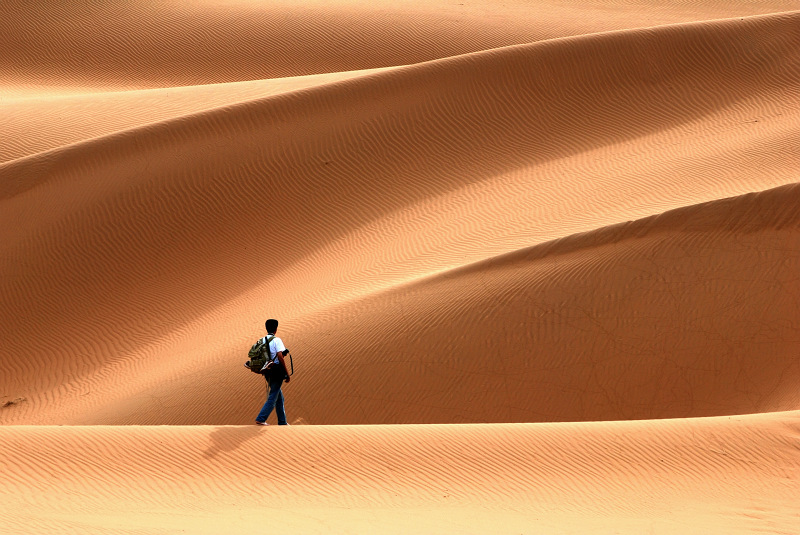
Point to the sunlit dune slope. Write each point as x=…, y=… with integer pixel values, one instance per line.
x=150, y=252
x=115, y=45
x=727, y=475
x=29, y=125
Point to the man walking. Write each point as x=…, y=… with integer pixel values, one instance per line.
x=275, y=373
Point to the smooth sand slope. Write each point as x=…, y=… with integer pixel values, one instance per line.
x=567, y=235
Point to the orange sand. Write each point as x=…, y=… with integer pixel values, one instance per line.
x=567, y=235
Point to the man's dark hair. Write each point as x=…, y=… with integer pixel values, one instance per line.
x=271, y=325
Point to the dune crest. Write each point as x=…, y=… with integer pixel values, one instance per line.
x=139, y=44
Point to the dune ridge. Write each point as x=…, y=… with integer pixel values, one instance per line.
x=29, y=126
x=139, y=45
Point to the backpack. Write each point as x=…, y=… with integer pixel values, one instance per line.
x=259, y=354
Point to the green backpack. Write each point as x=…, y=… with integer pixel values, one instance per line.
x=259, y=354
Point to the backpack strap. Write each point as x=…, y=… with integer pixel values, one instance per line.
x=266, y=345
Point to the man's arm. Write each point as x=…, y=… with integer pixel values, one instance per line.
x=279, y=354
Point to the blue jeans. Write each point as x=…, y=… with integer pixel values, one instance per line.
x=274, y=401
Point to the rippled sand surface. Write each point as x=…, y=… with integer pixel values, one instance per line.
x=548, y=251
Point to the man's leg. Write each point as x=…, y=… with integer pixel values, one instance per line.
x=272, y=398
x=279, y=409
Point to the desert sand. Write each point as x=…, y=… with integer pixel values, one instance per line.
x=538, y=264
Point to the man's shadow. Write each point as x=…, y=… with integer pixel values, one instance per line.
x=226, y=439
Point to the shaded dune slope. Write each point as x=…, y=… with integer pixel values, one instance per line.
x=734, y=474
x=684, y=314
x=193, y=236
x=144, y=44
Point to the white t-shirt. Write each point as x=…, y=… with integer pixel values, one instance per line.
x=274, y=346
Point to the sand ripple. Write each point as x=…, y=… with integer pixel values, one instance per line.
x=567, y=236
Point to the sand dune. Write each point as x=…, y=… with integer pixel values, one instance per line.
x=139, y=44
x=143, y=256
x=668, y=336
x=566, y=235
x=29, y=126
x=732, y=475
